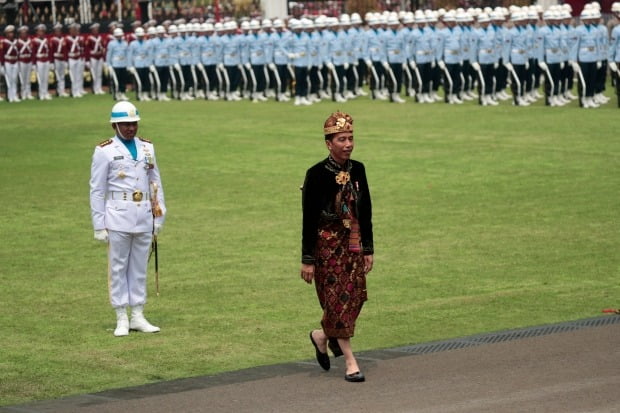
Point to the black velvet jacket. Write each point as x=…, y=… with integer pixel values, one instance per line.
x=318, y=199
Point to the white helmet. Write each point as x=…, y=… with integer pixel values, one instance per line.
x=254, y=25
x=218, y=27
x=615, y=7
x=245, y=25
x=118, y=32
x=266, y=24
x=124, y=112
x=278, y=24
x=294, y=24
x=139, y=32
x=160, y=29
x=356, y=18
x=172, y=29
x=151, y=31
x=182, y=28
x=195, y=27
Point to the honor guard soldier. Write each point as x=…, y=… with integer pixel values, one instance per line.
x=299, y=55
x=95, y=53
x=395, y=45
x=24, y=47
x=43, y=58
x=161, y=55
x=139, y=60
x=209, y=59
x=452, y=58
x=614, y=51
x=486, y=59
x=377, y=57
x=9, y=54
x=116, y=61
x=128, y=209
x=257, y=60
x=280, y=59
x=59, y=49
x=552, y=64
x=516, y=59
x=586, y=54
x=75, y=53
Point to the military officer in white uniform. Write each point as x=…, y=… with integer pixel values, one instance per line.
x=127, y=207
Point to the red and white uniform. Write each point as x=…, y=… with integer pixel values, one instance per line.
x=26, y=56
x=9, y=55
x=75, y=53
x=43, y=58
x=59, y=53
x=95, y=54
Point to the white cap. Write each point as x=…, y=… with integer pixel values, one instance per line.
x=307, y=24
x=124, y=112
x=483, y=18
x=345, y=20
x=118, y=32
x=408, y=18
x=207, y=27
x=420, y=17
x=449, y=16
x=218, y=27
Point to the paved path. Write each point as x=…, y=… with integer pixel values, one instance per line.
x=568, y=367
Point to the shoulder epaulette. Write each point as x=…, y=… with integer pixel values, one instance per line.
x=105, y=143
x=145, y=140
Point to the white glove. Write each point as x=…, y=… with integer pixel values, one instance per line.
x=613, y=67
x=2, y=70
x=131, y=70
x=86, y=65
x=412, y=65
x=508, y=66
x=543, y=66
x=321, y=66
x=101, y=235
x=433, y=64
x=330, y=66
x=441, y=64
x=248, y=66
x=51, y=67
x=152, y=69
x=496, y=65
x=599, y=64
x=272, y=66
x=576, y=67
x=476, y=66
x=368, y=62
x=562, y=64
x=527, y=65
x=221, y=66
x=177, y=67
x=292, y=56
x=386, y=65
x=200, y=67
x=346, y=66
x=157, y=229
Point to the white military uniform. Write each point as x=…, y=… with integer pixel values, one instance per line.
x=120, y=199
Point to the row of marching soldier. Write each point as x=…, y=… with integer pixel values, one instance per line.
x=473, y=55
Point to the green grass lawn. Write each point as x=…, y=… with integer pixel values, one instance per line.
x=485, y=219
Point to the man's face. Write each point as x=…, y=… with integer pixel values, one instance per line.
x=126, y=130
x=341, y=146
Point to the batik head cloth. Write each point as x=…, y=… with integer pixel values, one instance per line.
x=338, y=122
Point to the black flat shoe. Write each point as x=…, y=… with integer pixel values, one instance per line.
x=334, y=347
x=321, y=358
x=357, y=377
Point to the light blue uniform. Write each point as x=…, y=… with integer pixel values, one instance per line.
x=316, y=41
x=244, y=46
x=231, y=50
x=209, y=50
x=184, y=49
x=299, y=46
x=553, y=44
x=337, y=48
x=452, y=45
x=517, y=53
x=537, y=50
x=256, y=48
x=376, y=45
x=395, y=46
x=116, y=55
x=486, y=46
x=280, y=54
x=161, y=51
x=614, y=45
x=603, y=42
x=587, y=48
x=268, y=46
x=140, y=53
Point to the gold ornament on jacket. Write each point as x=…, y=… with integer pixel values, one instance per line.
x=343, y=178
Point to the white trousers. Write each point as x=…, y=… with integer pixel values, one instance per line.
x=76, y=73
x=96, y=70
x=60, y=67
x=128, y=258
x=10, y=75
x=43, y=73
x=24, y=79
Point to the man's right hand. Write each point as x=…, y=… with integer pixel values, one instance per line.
x=307, y=272
x=101, y=235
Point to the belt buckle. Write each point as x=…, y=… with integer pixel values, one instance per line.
x=137, y=196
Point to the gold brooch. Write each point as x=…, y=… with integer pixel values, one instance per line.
x=343, y=178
